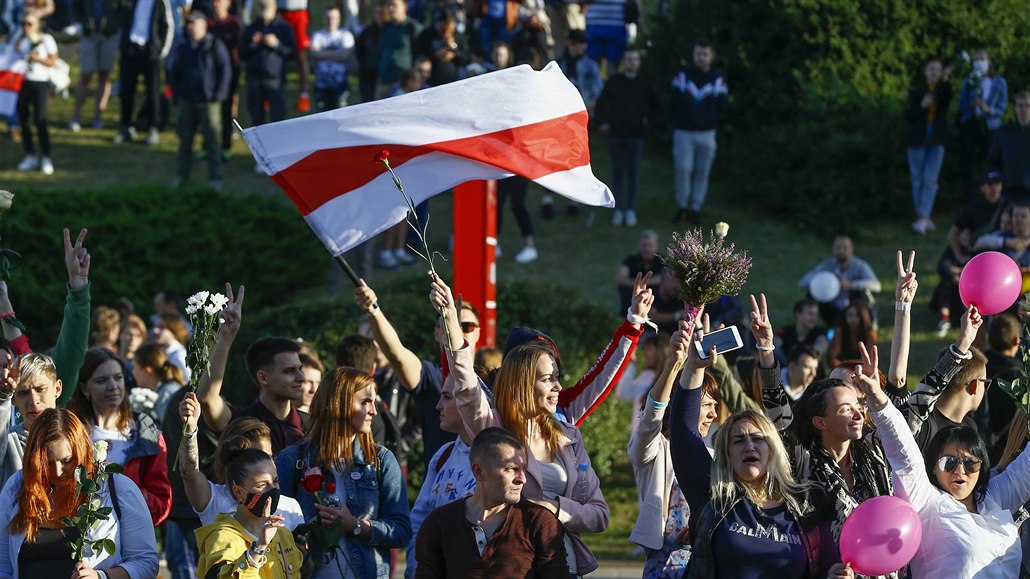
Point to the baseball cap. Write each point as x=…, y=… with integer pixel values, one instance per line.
x=992, y=177
x=523, y=335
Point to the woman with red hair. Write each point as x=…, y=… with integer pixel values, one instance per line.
x=34, y=502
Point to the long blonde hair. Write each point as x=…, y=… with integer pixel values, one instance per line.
x=779, y=483
x=515, y=400
x=330, y=431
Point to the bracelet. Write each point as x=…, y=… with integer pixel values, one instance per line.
x=192, y=434
x=656, y=404
x=959, y=355
x=902, y=306
x=256, y=563
x=765, y=348
x=635, y=319
x=101, y=574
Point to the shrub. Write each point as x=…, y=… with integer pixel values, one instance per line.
x=144, y=239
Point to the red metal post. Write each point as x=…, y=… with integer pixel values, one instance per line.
x=475, y=243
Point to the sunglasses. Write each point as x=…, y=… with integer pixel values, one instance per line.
x=949, y=463
x=986, y=383
x=469, y=327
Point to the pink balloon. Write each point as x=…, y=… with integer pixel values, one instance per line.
x=990, y=281
x=880, y=536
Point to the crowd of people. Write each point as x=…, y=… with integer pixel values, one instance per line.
x=743, y=468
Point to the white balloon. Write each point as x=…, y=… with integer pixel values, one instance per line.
x=824, y=287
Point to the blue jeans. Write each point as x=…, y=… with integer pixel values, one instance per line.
x=924, y=163
x=607, y=42
x=626, y=153
x=177, y=552
x=694, y=153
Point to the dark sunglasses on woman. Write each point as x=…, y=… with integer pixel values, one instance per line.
x=949, y=463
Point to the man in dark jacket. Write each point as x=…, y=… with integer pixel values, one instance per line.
x=147, y=33
x=200, y=76
x=1010, y=150
x=265, y=48
x=699, y=96
x=623, y=111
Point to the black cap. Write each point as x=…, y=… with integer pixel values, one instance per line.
x=577, y=35
x=522, y=335
x=992, y=177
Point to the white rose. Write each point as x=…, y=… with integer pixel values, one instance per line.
x=721, y=229
x=6, y=198
x=212, y=309
x=100, y=451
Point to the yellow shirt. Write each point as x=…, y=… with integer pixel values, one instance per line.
x=225, y=542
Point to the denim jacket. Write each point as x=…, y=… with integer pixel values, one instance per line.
x=379, y=497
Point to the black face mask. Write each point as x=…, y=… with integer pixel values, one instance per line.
x=255, y=503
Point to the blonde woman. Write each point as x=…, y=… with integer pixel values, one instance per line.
x=363, y=479
x=526, y=388
x=40, y=52
x=749, y=517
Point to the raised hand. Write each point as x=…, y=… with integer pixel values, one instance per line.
x=681, y=341
x=366, y=298
x=231, y=314
x=643, y=297
x=907, y=283
x=970, y=324
x=9, y=374
x=694, y=359
x=761, y=327
x=76, y=260
x=440, y=294
x=189, y=410
x=270, y=524
x=867, y=377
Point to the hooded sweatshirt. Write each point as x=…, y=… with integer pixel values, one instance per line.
x=225, y=542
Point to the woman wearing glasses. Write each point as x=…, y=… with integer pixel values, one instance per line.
x=968, y=529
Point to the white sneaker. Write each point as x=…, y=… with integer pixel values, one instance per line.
x=126, y=135
x=74, y=126
x=47, y=166
x=631, y=218
x=943, y=327
x=29, y=163
x=527, y=255
x=387, y=260
x=403, y=257
x=153, y=137
x=617, y=217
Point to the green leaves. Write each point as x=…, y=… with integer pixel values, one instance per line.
x=113, y=468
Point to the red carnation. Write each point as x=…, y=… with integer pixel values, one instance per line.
x=312, y=480
x=382, y=156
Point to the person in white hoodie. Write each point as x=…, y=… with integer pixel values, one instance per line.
x=960, y=504
x=663, y=508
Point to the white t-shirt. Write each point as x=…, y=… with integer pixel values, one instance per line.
x=118, y=442
x=44, y=47
x=222, y=502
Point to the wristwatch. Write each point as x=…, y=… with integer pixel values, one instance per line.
x=357, y=528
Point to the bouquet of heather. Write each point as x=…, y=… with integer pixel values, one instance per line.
x=706, y=271
x=202, y=308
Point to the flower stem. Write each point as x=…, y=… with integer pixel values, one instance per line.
x=420, y=231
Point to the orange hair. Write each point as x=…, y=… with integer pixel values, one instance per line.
x=34, y=503
x=330, y=430
x=515, y=399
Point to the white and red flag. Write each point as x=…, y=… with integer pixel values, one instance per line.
x=12, y=74
x=511, y=122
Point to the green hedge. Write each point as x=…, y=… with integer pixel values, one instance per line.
x=144, y=239
x=814, y=131
x=581, y=328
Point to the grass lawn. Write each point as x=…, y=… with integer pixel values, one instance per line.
x=579, y=253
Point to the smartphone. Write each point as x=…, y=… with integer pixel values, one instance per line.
x=724, y=340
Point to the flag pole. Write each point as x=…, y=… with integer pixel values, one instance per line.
x=348, y=270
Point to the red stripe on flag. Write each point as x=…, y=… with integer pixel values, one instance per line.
x=10, y=80
x=533, y=151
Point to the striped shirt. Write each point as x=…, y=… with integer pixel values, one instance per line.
x=606, y=13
